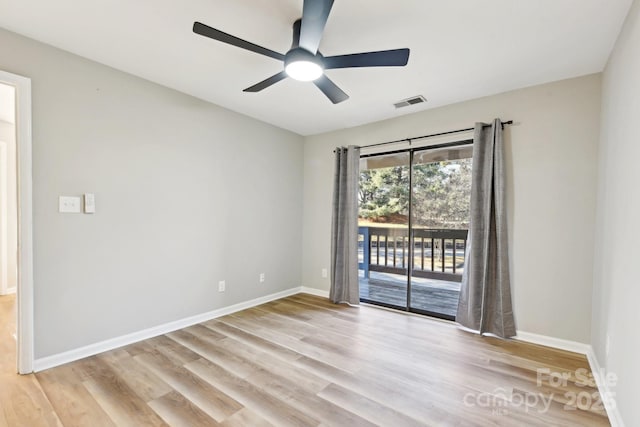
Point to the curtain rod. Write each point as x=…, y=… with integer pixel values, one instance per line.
x=510, y=122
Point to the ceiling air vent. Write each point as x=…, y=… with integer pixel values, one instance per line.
x=410, y=101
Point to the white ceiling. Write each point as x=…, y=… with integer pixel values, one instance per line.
x=460, y=49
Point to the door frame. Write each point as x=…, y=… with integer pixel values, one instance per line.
x=24, y=292
x=457, y=142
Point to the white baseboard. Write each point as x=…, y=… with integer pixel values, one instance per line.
x=567, y=345
x=314, y=291
x=80, y=353
x=9, y=291
x=615, y=418
x=603, y=388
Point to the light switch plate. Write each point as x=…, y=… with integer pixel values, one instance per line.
x=69, y=204
x=89, y=203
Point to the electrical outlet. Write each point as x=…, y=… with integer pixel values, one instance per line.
x=324, y=273
x=222, y=286
x=261, y=278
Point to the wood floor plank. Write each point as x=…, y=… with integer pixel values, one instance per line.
x=122, y=411
x=203, y=332
x=174, y=351
x=141, y=380
x=316, y=304
x=294, y=344
x=306, y=401
x=298, y=390
x=366, y=408
x=260, y=401
x=276, y=366
x=3, y=419
x=115, y=396
x=178, y=411
x=211, y=400
x=303, y=361
x=229, y=360
x=243, y=360
x=253, y=340
x=23, y=402
x=384, y=392
x=72, y=401
x=268, y=320
x=246, y=417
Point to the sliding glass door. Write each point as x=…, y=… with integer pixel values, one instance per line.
x=413, y=217
x=441, y=192
x=383, y=225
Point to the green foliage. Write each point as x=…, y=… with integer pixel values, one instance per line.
x=441, y=194
x=384, y=192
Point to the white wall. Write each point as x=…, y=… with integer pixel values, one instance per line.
x=187, y=194
x=8, y=206
x=551, y=154
x=616, y=285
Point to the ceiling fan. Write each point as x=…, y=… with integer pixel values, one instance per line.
x=303, y=61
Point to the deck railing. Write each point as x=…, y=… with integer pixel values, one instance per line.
x=437, y=253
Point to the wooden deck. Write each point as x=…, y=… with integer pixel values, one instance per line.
x=433, y=296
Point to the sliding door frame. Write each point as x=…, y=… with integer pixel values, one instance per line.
x=410, y=231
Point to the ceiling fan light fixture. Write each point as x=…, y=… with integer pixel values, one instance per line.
x=302, y=65
x=304, y=71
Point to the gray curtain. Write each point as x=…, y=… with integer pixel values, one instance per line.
x=344, y=227
x=485, y=295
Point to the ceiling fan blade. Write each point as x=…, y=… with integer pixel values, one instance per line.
x=314, y=17
x=266, y=82
x=383, y=58
x=212, y=33
x=296, y=34
x=329, y=88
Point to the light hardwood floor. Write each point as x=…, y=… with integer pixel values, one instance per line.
x=22, y=400
x=303, y=361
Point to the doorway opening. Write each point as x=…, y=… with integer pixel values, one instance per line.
x=413, y=221
x=8, y=192
x=8, y=226
x=16, y=229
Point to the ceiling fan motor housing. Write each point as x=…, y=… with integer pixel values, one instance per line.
x=299, y=54
x=299, y=63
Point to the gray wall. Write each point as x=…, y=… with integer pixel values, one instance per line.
x=616, y=286
x=551, y=155
x=187, y=194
